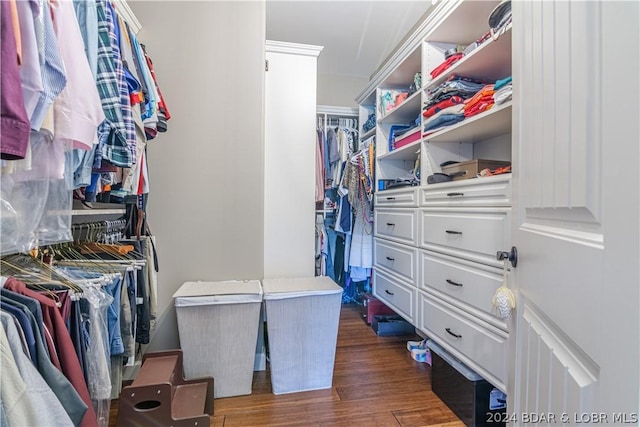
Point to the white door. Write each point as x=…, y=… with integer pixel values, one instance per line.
x=574, y=356
x=289, y=159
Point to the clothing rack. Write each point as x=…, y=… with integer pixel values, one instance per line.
x=342, y=122
x=108, y=231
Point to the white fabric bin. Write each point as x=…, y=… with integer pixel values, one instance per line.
x=302, y=329
x=218, y=328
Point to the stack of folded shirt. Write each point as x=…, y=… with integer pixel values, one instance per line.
x=481, y=101
x=435, y=120
x=446, y=64
x=442, y=121
x=395, y=130
x=503, y=91
x=399, y=136
x=454, y=86
x=449, y=102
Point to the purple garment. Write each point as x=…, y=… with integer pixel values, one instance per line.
x=14, y=122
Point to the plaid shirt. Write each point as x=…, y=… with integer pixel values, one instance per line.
x=125, y=100
x=112, y=133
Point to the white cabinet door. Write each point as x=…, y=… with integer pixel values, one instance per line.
x=289, y=160
x=576, y=211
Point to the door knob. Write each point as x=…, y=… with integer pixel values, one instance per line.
x=511, y=256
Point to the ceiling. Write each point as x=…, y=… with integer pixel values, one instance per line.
x=357, y=35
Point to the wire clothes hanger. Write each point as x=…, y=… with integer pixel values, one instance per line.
x=93, y=241
x=36, y=275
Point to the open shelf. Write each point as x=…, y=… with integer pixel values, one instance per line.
x=467, y=22
x=100, y=211
x=368, y=134
x=402, y=76
x=490, y=61
x=486, y=125
x=406, y=112
x=408, y=152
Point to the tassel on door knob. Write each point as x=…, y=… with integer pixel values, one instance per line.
x=511, y=256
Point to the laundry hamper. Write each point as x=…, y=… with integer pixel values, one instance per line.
x=302, y=328
x=218, y=328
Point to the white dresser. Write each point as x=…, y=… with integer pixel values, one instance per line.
x=435, y=244
x=435, y=264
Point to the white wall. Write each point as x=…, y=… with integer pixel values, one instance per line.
x=339, y=90
x=206, y=200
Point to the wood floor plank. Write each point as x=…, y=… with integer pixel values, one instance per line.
x=385, y=419
x=428, y=416
x=375, y=383
x=326, y=412
x=217, y=421
x=243, y=404
x=382, y=389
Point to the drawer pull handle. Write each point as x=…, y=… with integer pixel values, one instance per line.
x=455, y=194
x=391, y=259
x=452, y=232
x=388, y=293
x=452, y=333
x=451, y=282
x=390, y=224
x=391, y=198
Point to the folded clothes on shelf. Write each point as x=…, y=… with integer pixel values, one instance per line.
x=503, y=91
x=454, y=109
x=442, y=122
x=454, y=100
x=454, y=86
x=481, y=101
x=446, y=64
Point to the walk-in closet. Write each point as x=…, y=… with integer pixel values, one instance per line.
x=319, y=213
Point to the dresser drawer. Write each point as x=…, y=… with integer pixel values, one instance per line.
x=471, y=283
x=479, y=342
x=395, y=198
x=399, y=259
x=473, y=233
x=396, y=294
x=489, y=191
x=396, y=224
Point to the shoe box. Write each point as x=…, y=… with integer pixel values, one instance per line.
x=467, y=394
x=391, y=324
x=372, y=306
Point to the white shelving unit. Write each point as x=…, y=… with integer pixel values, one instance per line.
x=430, y=236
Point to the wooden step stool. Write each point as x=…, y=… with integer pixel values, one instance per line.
x=161, y=397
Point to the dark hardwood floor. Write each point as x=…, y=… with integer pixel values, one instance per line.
x=375, y=383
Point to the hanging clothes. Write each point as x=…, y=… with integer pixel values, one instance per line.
x=44, y=403
x=14, y=121
x=68, y=360
x=68, y=396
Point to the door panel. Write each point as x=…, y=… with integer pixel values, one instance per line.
x=553, y=370
x=576, y=209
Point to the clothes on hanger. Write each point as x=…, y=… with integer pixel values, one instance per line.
x=84, y=318
x=76, y=82
x=347, y=238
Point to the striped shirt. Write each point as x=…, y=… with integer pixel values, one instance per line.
x=53, y=74
x=112, y=132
